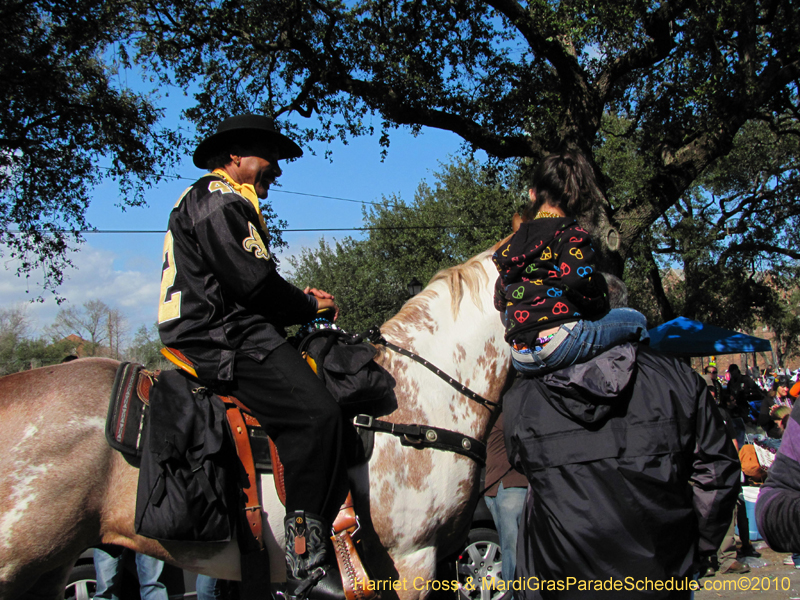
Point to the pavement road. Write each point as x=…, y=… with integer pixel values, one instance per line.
x=774, y=581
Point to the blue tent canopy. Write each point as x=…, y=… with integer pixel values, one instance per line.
x=684, y=337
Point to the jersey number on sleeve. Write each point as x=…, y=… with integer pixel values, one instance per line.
x=170, y=305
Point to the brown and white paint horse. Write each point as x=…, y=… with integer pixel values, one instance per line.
x=63, y=489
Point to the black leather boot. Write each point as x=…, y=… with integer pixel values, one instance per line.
x=311, y=568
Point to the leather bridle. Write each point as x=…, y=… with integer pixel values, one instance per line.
x=425, y=436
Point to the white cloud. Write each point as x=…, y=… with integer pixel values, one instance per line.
x=129, y=283
x=126, y=277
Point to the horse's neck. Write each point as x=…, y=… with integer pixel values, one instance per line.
x=463, y=338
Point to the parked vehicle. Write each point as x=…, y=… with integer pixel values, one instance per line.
x=480, y=558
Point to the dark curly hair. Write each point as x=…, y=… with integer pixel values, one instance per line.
x=566, y=180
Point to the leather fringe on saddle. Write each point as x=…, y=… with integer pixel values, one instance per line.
x=310, y=571
x=355, y=583
x=320, y=581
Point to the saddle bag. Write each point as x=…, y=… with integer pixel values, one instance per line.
x=183, y=481
x=346, y=365
x=127, y=411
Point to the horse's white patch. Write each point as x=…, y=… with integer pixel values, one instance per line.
x=23, y=493
x=94, y=422
x=30, y=431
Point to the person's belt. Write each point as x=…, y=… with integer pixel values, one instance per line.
x=555, y=341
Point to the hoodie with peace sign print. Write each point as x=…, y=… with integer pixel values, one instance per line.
x=547, y=278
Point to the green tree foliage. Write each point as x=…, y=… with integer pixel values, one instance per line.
x=19, y=350
x=466, y=211
x=94, y=329
x=40, y=352
x=727, y=251
x=782, y=315
x=68, y=123
x=366, y=291
x=146, y=347
x=13, y=327
x=514, y=78
x=673, y=85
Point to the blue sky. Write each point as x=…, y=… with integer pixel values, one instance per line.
x=123, y=270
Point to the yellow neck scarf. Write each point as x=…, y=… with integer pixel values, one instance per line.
x=246, y=190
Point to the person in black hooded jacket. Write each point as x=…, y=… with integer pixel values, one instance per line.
x=633, y=478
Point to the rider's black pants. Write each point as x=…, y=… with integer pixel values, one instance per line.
x=296, y=410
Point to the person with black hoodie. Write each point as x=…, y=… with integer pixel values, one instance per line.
x=633, y=477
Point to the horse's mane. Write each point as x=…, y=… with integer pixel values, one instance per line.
x=470, y=276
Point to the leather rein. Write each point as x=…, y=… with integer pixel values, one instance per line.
x=424, y=436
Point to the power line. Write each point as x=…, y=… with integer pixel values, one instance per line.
x=277, y=190
x=296, y=230
x=163, y=231
x=326, y=197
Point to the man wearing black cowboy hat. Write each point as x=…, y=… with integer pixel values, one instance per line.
x=224, y=305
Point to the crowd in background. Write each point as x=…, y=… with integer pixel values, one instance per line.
x=755, y=405
x=760, y=398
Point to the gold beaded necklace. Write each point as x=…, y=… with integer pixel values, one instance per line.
x=547, y=215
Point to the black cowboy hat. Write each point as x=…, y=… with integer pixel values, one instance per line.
x=247, y=127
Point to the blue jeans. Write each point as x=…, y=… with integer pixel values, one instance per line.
x=586, y=339
x=506, y=509
x=109, y=570
x=209, y=588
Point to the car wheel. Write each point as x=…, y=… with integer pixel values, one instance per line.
x=81, y=584
x=482, y=561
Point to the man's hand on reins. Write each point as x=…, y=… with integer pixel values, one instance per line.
x=324, y=300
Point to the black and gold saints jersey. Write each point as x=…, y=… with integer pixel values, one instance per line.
x=221, y=292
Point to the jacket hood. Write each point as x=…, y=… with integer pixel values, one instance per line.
x=588, y=391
